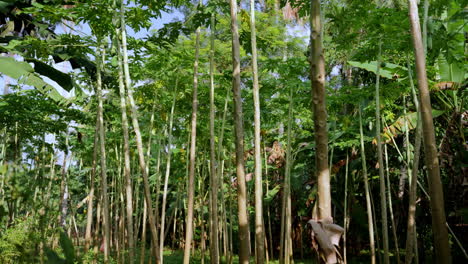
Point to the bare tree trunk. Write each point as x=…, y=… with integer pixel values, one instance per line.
x=89, y=212
x=231, y=247
x=244, y=239
x=383, y=198
x=193, y=145
x=97, y=232
x=102, y=143
x=270, y=233
x=214, y=242
x=139, y=143
x=411, y=248
x=126, y=152
x=221, y=176
x=441, y=241
x=390, y=207
x=168, y=171
x=200, y=213
x=367, y=192
x=285, y=237
x=259, y=231
x=143, y=233
x=63, y=187
x=345, y=220
x=317, y=76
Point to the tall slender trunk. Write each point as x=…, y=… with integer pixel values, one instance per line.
x=102, y=143
x=390, y=207
x=411, y=248
x=126, y=153
x=89, y=212
x=200, y=213
x=370, y=220
x=317, y=76
x=97, y=232
x=143, y=233
x=193, y=145
x=221, y=176
x=345, y=211
x=214, y=242
x=51, y=177
x=64, y=195
x=244, y=239
x=168, y=171
x=287, y=185
x=270, y=233
x=441, y=241
x=4, y=137
x=383, y=198
x=405, y=168
x=231, y=247
x=259, y=232
x=139, y=143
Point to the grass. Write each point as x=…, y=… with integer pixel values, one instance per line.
x=177, y=257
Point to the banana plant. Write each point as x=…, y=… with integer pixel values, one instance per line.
x=24, y=73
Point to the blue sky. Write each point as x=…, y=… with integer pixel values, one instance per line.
x=83, y=29
x=156, y=24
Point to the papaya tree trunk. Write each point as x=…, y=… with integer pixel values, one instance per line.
x=390, y=206
x=411, y=249
x=441, y=241
x=136, y=128
x=89, y=212
x=345, y=210
x=383, y=198
x=126, y=154
x=317, y=77
x=259, y=231
x=102, y=143
x=244, y=239
x=168, y=171
x=193, y=146
x=214, y=241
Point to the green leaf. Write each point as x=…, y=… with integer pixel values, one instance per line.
x=25, y=74
x=389, y=70
x=67, y=247
x=450, y=72
x=4, y=5
x=63, y=79
x=114, y=61
x=13, y=68
x=52, y=257
x=271, y=194
x=9, y=27
x=398, y=126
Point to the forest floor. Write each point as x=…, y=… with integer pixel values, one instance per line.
x=177, y=257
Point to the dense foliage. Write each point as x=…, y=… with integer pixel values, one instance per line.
x=57, y=56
